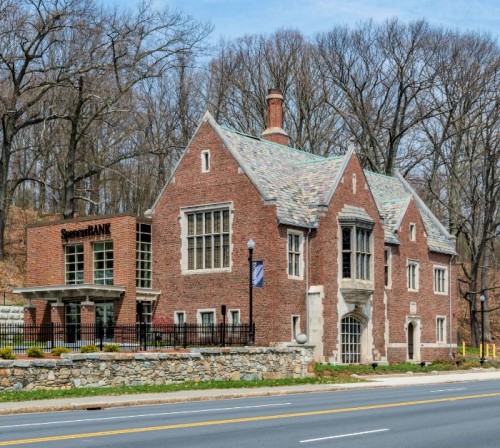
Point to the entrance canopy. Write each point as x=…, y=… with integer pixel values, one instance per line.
x=58, y=292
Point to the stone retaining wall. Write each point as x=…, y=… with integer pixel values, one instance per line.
x=11, y=315
x=127, y=369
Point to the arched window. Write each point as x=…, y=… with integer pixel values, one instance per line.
x=351, y=340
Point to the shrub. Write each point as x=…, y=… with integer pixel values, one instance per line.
x=58, y=351
x=91, y=348
x=7, y=353
x=35, y=352
x=110, y=348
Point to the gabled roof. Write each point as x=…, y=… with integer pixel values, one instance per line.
x=296, y=181
x=392, y=196
x=300, y=183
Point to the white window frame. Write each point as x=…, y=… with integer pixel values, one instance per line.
x=206, y=310
x=176, y=317
x=205, y=161
x=441, y=332
x=354, y=252
x=413, y=231
x=230, y=316
x=435, y=269
x=142, y=271
x=74, y=265
x=300, y=234
x=389, y=267
x=416, y=264
x=103, y=280
x=184, y=236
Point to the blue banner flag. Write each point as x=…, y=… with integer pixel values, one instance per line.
x=258, y=274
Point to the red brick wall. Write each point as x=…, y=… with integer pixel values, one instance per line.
x=428, y=304
x=46, y=263
x=325, y=267
x=277, y=300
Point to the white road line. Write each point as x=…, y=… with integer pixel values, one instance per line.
x=344, y=435
x=125, y=417
x=447, y=390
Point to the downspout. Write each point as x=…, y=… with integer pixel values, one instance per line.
x=307, y=282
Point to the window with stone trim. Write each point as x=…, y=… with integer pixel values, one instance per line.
x=440, y=329
x=387, y=267
x=440, y=280
x=208, y=239
x=412, y=275
x=74, y=266
x=295, y=243
x=356, y=252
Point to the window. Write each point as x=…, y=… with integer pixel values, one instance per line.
x=440, y=329
x=73, y=255
x=294, y=254
x=361, y=247
x=295, y=326
x=143, y=255
x=234, y=317
x=205, y=161
x=103, y=263
x=144, y=313
x=208, y=240
x=179, y=317
x=206, y=317
x=412, y=275
x=440, y=280
x=351, y=340
x=413, y=232
x=387, y=267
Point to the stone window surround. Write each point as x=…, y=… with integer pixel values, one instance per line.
x=389, y=267
x=176, y=317
x=205, y=310
x=441, y=330
x=301, y=254
x=443, y=268
x=184, y=211
x=416, y=264
x=205, y=161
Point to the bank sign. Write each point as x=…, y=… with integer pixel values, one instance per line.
x=91, y=230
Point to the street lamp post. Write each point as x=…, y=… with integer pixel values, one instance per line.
x=482, y=298
x=251, y=246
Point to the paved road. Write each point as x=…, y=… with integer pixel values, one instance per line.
x=459, y=415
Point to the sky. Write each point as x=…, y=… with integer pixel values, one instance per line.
x=234, y=18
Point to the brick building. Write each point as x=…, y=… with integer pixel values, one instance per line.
x=352, y=259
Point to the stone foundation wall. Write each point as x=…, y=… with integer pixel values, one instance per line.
x=127, y=369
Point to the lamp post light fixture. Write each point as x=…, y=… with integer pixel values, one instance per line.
x=482, y=298
x=251, y=246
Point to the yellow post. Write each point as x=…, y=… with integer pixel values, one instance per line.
x=480, y=350
x=463, y=348
x=487, y=350
x=494, y=351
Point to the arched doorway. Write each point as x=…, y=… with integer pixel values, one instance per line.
x=411, y=342
x=351, y=329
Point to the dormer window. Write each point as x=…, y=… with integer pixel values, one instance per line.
x=205, y=161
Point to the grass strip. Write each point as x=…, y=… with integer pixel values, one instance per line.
x=9, y=396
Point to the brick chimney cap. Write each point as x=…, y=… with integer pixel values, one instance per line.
x=274, y=93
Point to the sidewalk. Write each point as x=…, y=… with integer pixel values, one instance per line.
x=109, y=401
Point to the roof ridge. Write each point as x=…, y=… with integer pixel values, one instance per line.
x=265, y=141
x=366, y=171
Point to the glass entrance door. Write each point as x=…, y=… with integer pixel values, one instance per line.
x=73, y=321
x=105, y=320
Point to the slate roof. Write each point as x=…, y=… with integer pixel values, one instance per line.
x=300, y=183
x=392, y=196
x=297, y=181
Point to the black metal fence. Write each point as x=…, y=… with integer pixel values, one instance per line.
x=127, y=337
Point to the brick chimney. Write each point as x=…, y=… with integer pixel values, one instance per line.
x=274, y=131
